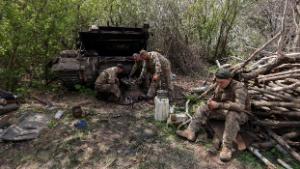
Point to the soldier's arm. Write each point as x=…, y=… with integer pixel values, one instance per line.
x=133, y=69
x=111, y=78
x=143, y=70
x=157, y=66
x=239, y=103
x=101, y=78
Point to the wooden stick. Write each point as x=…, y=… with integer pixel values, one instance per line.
x=256, y=52
x=295, y=85
x=274, y=104
x=280, y=73
x=272, y=93
x=289, y=113
x=264, y=80
x=277, y=124
x=280, y=140
x=286, y=66
x=210, y=88
x=261, y=157
x=291, y=135
x=284, y=164
x=293, y=143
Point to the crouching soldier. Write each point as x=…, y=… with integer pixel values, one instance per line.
x=160, y=69
x=230, y=102
x=108, y=83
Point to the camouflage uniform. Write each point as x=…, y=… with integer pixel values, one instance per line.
x=144, y=76
x=159, y=65
x=108, y=82
x=234, y=101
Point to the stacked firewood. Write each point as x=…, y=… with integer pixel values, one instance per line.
x=274, y=87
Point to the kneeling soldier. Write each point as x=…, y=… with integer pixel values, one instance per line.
x=108, y=82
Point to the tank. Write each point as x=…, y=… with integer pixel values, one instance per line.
x=97, y=49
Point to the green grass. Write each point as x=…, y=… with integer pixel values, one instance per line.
x=274, y=154
x=250, y=161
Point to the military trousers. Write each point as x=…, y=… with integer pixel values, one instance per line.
x=109, y=88
x=233, y=121
x=164, y=82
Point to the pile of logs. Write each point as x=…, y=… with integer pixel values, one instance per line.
x=273, y=83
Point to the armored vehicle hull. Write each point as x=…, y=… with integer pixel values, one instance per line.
x=98, y=49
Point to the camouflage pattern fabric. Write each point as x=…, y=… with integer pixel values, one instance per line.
x=108, y=82
x=234, y=101
x=136, y=66
x=158, y=65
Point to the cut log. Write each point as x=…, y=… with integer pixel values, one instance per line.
x=286, y=87
x=278, y=124
x=286, y=66
x=275, y=104
x=297, y=71
x=261, y=157
x=280, y=140
x=267, y=79
x=294, y=144
x=289, y=113
x=291, y=135
x=274, y=94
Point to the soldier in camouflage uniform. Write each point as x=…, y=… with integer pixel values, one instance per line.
x=160, y=69
x=230, y=102
x=143, y=78
x=108, y=82
x=139, y=64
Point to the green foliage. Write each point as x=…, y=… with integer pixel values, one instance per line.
x=275, y=154
x=210, y=21
x=52, y=124
x=250, y=161
x=32, y=32
x=84, y=90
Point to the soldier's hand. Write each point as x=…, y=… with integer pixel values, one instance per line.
x=155, y=77
x=212, y=104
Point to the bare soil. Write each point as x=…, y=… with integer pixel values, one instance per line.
x=117, y=137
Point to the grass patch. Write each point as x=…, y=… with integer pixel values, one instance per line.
x=52, y=124
x=274, y=154
x=249, y=160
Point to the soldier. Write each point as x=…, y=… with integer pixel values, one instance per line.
x=230, y=102
x=108, y=82
x=139, y=63
x=160, y=69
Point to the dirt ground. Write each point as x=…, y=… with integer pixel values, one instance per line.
x=117, y=137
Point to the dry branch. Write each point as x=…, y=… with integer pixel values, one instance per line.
x=280, y=140
x=278, y=124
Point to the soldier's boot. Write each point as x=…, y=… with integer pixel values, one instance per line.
x=225, y=154
x=187, y=133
